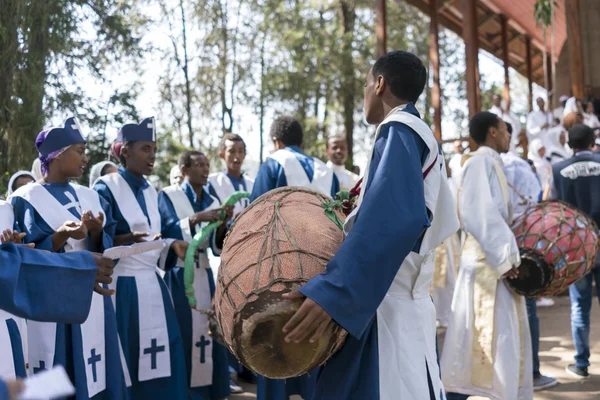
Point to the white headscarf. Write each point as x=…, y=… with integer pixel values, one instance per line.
x=554, y=150
x=524, y=183
x=175, y=173
x=96, y=171
x=570, y=107
x=16, y=176
x=542, y=165
x=36, y=169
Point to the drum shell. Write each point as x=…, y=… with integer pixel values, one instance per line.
x=275, y=246
x=566, y=239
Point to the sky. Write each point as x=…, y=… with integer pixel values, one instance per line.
x=152, y=67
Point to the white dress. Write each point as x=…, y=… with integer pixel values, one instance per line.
x=487, y=350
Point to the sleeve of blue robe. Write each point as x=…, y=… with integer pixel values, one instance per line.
x=270, y=176
x=170, y=223
x=27, y=220
x=47, y=287
x=392, y=219
x=108, y=232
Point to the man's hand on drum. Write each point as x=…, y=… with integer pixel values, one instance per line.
x=512, y=273
x=310, y=321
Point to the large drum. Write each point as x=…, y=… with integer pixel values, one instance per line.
x=558, y=244
x=273, y=247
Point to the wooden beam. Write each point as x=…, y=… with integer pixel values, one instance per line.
x=470, y=37
x=550, y=88
x=512, y=39
x=506, y=61
x=575, y=49
x=489, y=17
x=434, y=56
x=529, y=73
x=381, y=27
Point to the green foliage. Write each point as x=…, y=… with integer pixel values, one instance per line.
x=543, y=12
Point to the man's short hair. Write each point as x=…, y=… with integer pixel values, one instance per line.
x=233, y=137
x=287, y=130
x=581, y=137
x=480, y=124
x=185, y=159
x=509, y=127
x=404, y=72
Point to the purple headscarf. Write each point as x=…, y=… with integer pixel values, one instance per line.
x=45, y=160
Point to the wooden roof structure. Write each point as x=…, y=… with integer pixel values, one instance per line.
x=521, y=28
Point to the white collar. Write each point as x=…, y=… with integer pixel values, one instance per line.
x=335, y=167
x=490, y=152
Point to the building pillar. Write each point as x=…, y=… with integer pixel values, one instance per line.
x=381, y=27
x=434, y=56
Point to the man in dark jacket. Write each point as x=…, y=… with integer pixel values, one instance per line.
x=577, y=182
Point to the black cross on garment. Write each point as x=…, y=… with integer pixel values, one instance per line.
x=153, y=350
x=93, y=360
x=202, y=344
x=41, y=368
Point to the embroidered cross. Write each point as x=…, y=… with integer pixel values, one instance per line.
x=41, y=368
x=75, y=127
x=93, y=360
x=202, y=344
x=153, y=350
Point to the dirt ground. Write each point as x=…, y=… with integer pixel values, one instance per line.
x=556, y=351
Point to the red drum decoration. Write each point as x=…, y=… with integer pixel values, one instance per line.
x=558, y=244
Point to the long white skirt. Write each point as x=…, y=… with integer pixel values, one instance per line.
x=457, y=354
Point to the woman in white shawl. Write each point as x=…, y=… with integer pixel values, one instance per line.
x=556, y=148
x=19, y=179
x=537, y=154
x=101, y=169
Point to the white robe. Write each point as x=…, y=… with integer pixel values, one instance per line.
x=346, y=178
x=444, y=278
x=487, y=350
x=535, y=121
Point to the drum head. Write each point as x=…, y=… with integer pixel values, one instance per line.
x=535, y=275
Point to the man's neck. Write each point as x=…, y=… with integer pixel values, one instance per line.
x=492, y=146
x=235, y=174
x=198, y=189
x=389, y=107
x=134, y=173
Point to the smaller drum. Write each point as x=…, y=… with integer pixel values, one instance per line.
x=559, y=245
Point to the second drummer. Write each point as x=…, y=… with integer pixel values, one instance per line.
x=487, y=350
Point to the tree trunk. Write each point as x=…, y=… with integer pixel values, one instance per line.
x=347, y=14
x=188, y=91
x=262, y=96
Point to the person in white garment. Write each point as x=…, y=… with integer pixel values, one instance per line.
x=589, y=116
x=175, y=176
x=487, y=349
x=337, y=152
x=454, y=164
x=19, y=179
x=556, y=145
x=503, y=111
x=525, y=192
x=538, y=121
x=538, y=154
x=232, y=179
x=558, y=111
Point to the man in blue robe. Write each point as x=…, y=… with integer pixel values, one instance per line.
x=146, y=320
x=184, y=210
x=577, y=182
x=377, y=285
x=289, y=166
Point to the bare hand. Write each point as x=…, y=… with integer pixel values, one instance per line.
x=180, y=248
x=206, y=216
x=311, y=320
x=93, y=224
x=15, y=387
x=74, y=230
x=10, y=236
x=228, y=214
x=512, y=273
x=104, y=271
x=139, y=237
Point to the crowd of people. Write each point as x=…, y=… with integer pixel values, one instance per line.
x=128, y=332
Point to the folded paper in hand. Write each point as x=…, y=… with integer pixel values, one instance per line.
x=50, y=384
x=115, y=253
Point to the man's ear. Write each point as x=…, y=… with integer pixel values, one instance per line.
x=222, y=154
x=379, y=85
